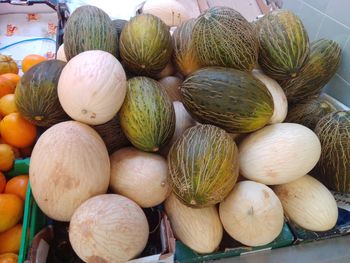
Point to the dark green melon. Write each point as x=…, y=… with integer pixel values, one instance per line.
x=284, y=44
x=89, y=28
x=228, y=98
x=184, y=56
x=147, y=116
x=320, y=67
x=333, y=168
x=36, y=94
x=309, y=112
x=112, y=134
x=223, y=37
x=119, y=25
x=145, y=45
x=203, y=166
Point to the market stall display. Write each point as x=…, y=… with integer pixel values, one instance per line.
x=136, y=131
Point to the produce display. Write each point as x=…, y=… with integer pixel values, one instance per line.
x=217, y=126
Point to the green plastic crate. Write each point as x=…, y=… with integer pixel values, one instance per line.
x=33, y=219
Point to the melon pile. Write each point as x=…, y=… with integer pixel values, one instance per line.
x=194, y=121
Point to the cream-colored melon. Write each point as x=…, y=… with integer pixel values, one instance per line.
x=308, y=203
x=60, y=55
x=279, y=153
x=140, y=176
x=92, y=87
x=108, y=229
x=69, y=164
x=252, y=214
x=198, y=228
x=280, y=102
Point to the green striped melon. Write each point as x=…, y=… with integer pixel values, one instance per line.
x=228, y=98
x=203, y=166
x=147, y=116
x=184, y=56
x=145, y=45
x=223, y=37
x=309, y=112
x=284, y=44
x=333, y=168
x=36, y=94
x=320, y=67
x=89, y=28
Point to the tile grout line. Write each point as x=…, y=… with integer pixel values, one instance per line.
x=324, y=14
x=348, y=83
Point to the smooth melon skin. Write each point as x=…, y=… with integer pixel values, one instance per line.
x=145, y=45
x=284, y=44
x=69, y=164
x=92, y=87
x=279, y=153
x=140, y=176
x=252, y=214
x=223, y=37
x=308, y=203
x=198, y=228
x=89, y=28
x=108, y=228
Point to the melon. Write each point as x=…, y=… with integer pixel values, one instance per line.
x=230, y=99
x=92, y=87
x=319, y=68
x=308, y=203
x=284, y=44
x=333, y=169
x=172, y=85
x=119, y=25
x=60, y=55
x=140, y=176
x=280, y=103
x=223, y=37
x=147, y=116
x=172, y=12
x=112, y=134
x=184, y=56
x=198, y=228
x=36, y=94
x=108, y=228
x=308, y=112
x=278, y=153
x=89, y=28
x=145, y=45
x=203, y=165
x=169, y=70
x=252, y=214
x=183, y=122
x=69, y=164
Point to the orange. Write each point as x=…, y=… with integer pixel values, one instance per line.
x=17, y=131
x=11, y=211
x=8, y=258
x=15, y=78
x=6, y=86
x=18, y=186
x=7, y=157
x=2, y=182
x=10, y=240
x=31, y=60
x=7, y=104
